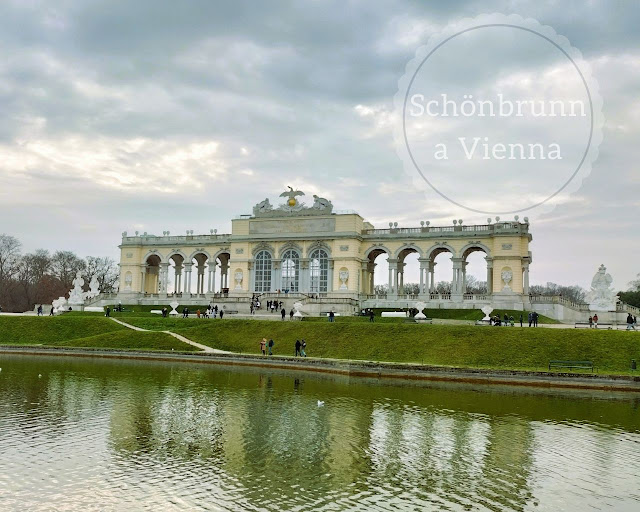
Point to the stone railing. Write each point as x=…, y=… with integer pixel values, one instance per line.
x=627, y=308
x=175, y=239
x=558, y=299
x=457, y=230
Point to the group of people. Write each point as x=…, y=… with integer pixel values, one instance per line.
x=266, y=347
x=509, y=321
x=210, y=312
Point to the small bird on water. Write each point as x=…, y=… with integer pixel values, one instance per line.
x=320, y=403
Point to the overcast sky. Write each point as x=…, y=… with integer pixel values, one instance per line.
x=158, y=115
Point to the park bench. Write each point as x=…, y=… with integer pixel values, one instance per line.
x=574, y=365
x=582, y=325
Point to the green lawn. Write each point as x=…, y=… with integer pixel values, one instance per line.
x=82, y=331
x=442, y=345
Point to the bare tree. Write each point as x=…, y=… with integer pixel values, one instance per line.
x=105, y=270
x=411, y=288
x=474, y=285
x=575, y=293
x=65, y=264
x=9, y=257
x=380, y=289
x=443, y=287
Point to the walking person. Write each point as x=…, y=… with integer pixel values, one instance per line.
x=108, y=312
x=40, y=310
x=51, y=313
x=283, y=313
x=303, y=351
x=270, y=345
x=263, y=346
x=371, y=315
x=595, y=321
x=221, y=313
x=530, y=318
x=535, y=319
x=590, y=322
x=291, y=314
x=521, y=318
x=298, y=345
x=332, y=316
x=630, y=323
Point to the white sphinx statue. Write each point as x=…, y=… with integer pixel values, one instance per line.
x=94, y=288
x=76, y=295
x=602, y=296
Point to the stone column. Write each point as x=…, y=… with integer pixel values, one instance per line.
x=276, y=277
x=423, y=274
x=224, y=270
x=213, y=278
x=164, y=279
x=330, y=276
x=187, y=280
x=464, y=277
x=432, y=279
x=489, y=275
x=200, y=288
x=525, y=277
x=143, y=278
x=304, y=285
x=393, y=277
x=364, y=280
x=456, y=286
x=371, y=267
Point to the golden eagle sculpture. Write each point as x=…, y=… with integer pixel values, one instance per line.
x=291, y=194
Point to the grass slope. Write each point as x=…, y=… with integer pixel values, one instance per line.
x=77, y=331
x=130, y=340
x=444, y=345
x=28, y=330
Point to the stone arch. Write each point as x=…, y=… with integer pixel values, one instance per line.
x=467, y=279
x=472, y=247
x=378, y=250
x=175, y=253
x=371, y=254
x=439, y=248
x=156, y=260
x=408, y=247
x=290, y=245
x=198, y=252
x=261, y=247
x=151, y=273
x=318, y=245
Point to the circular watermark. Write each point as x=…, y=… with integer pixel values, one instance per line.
x=499, y=115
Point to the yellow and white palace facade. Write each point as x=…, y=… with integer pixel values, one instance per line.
x=322, y=257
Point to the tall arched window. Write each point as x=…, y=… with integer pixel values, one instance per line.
x=290, y=270
x=319, y=271
x=262, y=266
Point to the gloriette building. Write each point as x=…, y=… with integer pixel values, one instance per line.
x=323, y=258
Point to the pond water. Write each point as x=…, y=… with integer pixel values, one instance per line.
x=90, y=434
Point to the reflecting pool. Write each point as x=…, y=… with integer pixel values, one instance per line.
x=90, y=434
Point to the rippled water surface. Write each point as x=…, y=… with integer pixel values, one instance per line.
x=86, y=434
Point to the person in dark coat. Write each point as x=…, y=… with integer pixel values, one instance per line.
x=298, y=345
